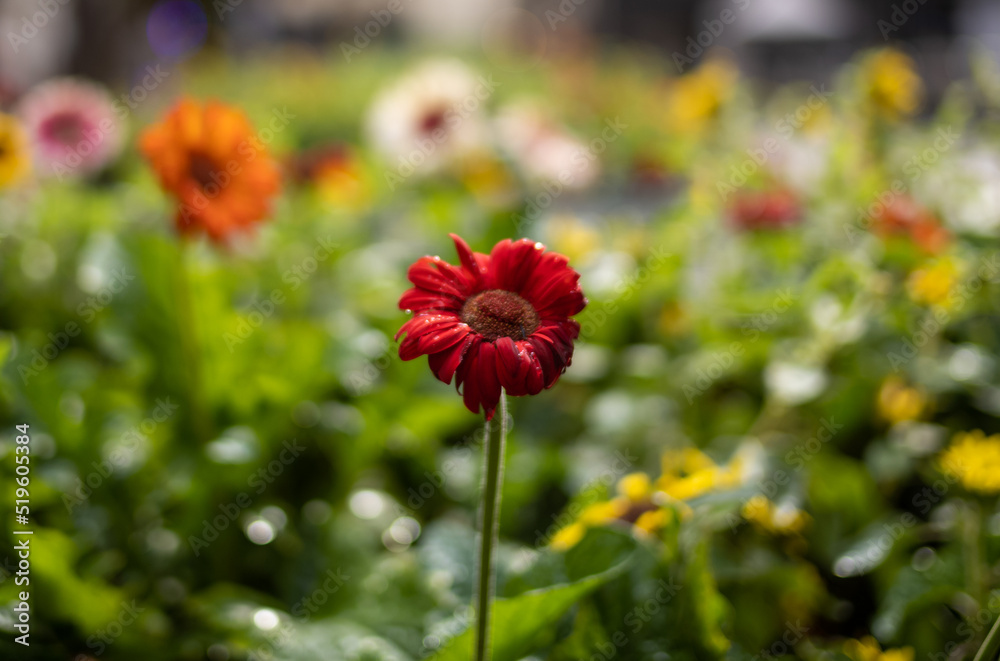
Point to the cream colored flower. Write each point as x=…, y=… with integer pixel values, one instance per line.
x=430, y=118
x=545, y=151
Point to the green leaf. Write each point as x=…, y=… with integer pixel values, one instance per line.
x=519, y=620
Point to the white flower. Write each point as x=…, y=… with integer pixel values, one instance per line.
x=750, y=458
x=794, y=384
x=543, y=150
x=967, y=191
x=430, y=117
x=837, y=324
x=803, y=162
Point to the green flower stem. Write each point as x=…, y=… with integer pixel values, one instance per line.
x=978, y=521
x=991, y=645
x=489, y=517
x=189, y=343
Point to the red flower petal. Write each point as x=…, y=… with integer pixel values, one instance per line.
x=425, y=274
x=435, y=342
x=423, y=323
x=535, y=379
x=512, y=263
x=488, y=383
x=512, y=366
x=418, y=299
x=446, y=362
x=468, y=259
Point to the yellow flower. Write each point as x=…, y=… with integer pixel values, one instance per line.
x=868, y=649
x=568, y=537
x=898, y=402
x=595, y=514
x=818, y=121
x=650, y=506
x=696, y=98
x=975, y=459
x=674, y=320
x=892, y=84
x=685, y=462
x=635, y=486
x=487, y=178
x=343, y=185
x=692, y=486
x=604, y=512
x=782, y=520
x=15, y=159
x=573, y=238
x=650, y=522
x=690, y=473
x=933, y=284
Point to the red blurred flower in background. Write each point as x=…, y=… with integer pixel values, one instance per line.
x=337, y=173
x=757, y=210
x=497, y=320
x=904, y=216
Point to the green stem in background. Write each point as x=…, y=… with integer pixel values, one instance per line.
x=977, y=516
x=991, y=645
x=975, y=574
x=189, y=343
x=489, y=517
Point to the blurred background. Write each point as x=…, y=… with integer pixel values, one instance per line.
x=777, y=41
x=777, y=438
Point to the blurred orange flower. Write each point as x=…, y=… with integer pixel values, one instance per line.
x=211, y=160
x=905, y=216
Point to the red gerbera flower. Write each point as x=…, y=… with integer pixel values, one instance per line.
x=761, y=210
x=497, y=320
x=903, y=215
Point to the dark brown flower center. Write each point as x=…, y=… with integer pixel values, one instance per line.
x=496, y=313
x=201, y=168
x=635, y=510
x=433, y=120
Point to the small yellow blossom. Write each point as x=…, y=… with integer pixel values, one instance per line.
x=892, y=84
x=568, y=537
x=690, y=473
x=685, y=461
x=650, y=522
x=780, y=520
x=898, y=402
x=674, y=320
x=343, y=185
x=650, y=507
x=635, y=486
x=933, y=284
x=692, y=486
x=868, y=649
x=975, y=459
x=696, y=98
x=600, y=513
x=487, y=179
x=572, y=237
x=15, y=159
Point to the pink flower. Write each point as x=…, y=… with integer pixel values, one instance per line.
x=73, y=126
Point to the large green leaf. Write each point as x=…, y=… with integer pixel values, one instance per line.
x=519, y=620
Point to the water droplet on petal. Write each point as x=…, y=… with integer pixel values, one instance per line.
x=539, y=246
